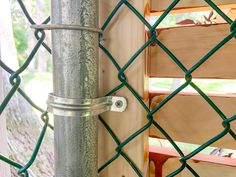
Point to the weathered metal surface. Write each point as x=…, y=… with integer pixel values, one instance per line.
x=75, y=63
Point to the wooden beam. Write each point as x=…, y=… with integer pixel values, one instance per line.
x=203, y=163
x=230, y=7
x=189, y=45
x=188, y=118
x=203, y=169
x=198, y=157
x=160, y=5
x=123, y=37
x=153, y=93
x=163, y=147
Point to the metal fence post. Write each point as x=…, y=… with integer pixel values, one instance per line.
x=75, y=72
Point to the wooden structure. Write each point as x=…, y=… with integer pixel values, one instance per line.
x=198, y=39
x=124, y=36
x=189, y=111
x=162, y=154
x=159, y=5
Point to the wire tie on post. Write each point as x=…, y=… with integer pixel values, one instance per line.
x=65, y=27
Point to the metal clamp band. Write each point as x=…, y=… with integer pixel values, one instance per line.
x=65, y=26
x=85, y=107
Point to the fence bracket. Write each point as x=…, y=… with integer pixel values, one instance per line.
x=85, y=107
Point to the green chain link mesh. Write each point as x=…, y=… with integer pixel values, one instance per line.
x=15, y=80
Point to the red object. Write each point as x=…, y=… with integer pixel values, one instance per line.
x=159, y=160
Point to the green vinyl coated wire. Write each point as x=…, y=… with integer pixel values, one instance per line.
x=15, y=80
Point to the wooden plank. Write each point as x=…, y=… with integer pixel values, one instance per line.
x=203, y=163
x=203, y=169
x=189, y=45
x=190, y=119
x=123, y=37
x=229, y=7
x=160, y=5
x=226, y=161
x=232, y=14
x=153, y=93
x=164, y=148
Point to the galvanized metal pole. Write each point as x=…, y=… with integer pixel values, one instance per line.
x=75, y=72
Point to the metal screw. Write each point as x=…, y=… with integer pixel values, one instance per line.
x=119, y=104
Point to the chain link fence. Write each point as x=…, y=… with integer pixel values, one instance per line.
x=15, y=81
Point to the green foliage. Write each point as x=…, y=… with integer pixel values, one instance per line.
x=21, y=41
x=20, y=38
x=47, y=7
